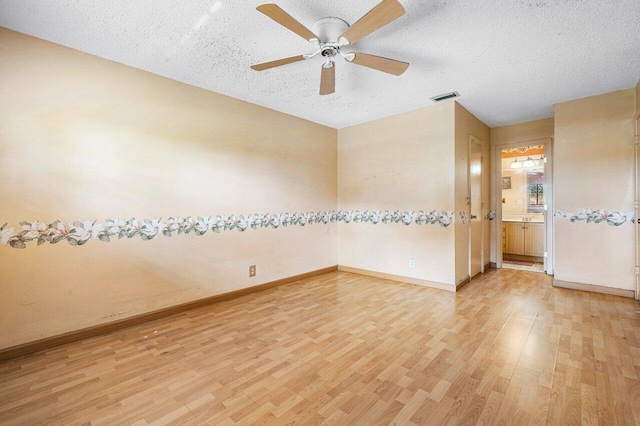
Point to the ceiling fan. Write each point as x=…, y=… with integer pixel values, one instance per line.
x=330, y=35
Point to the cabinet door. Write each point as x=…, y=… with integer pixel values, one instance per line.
x=534, y=239
x=515, y=238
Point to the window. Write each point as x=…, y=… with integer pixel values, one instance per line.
x=536, y=194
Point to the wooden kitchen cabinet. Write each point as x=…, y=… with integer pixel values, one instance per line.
x=524, y=238
x=514, y=232
x=534, y=239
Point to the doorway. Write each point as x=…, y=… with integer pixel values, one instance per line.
x=523, y=197
x=476, y=234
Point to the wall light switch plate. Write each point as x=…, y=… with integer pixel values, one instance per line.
x=252, y=271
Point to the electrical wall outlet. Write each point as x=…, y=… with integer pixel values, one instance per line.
x=252, y=271
x=412, y=262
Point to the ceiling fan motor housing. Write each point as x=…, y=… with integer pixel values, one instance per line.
x=329, y=29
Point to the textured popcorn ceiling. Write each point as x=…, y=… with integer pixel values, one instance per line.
x=511, y=60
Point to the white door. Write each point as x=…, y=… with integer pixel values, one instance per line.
x=476, y=261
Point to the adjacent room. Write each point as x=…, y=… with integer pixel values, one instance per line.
x=523, y=206
x=322, y=212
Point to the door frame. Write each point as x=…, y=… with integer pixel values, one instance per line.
x=636, y=221
x=548, y=214
x=473, y=139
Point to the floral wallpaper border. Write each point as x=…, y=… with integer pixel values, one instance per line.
x=79, y=233
x=611, y=217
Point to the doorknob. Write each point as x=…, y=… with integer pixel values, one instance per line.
x=473, y=216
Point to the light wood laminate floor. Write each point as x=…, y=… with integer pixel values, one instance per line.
x=347, y=349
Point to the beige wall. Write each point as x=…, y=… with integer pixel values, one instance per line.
x=403, y=162
x=412, y=161
x=515, y=197
x=593, y=168
x=82, y=138
x=514, y=134
x=467, y=125
x=522, y=132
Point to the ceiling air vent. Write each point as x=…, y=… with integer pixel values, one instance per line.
x=445, y=96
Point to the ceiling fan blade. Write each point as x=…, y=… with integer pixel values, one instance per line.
x=328, y=80
x=384, y=13
x=283, y=18
x=278, y=62
x=379, y=63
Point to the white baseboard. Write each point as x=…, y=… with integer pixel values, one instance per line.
x=399, y=278
x=594, y=288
